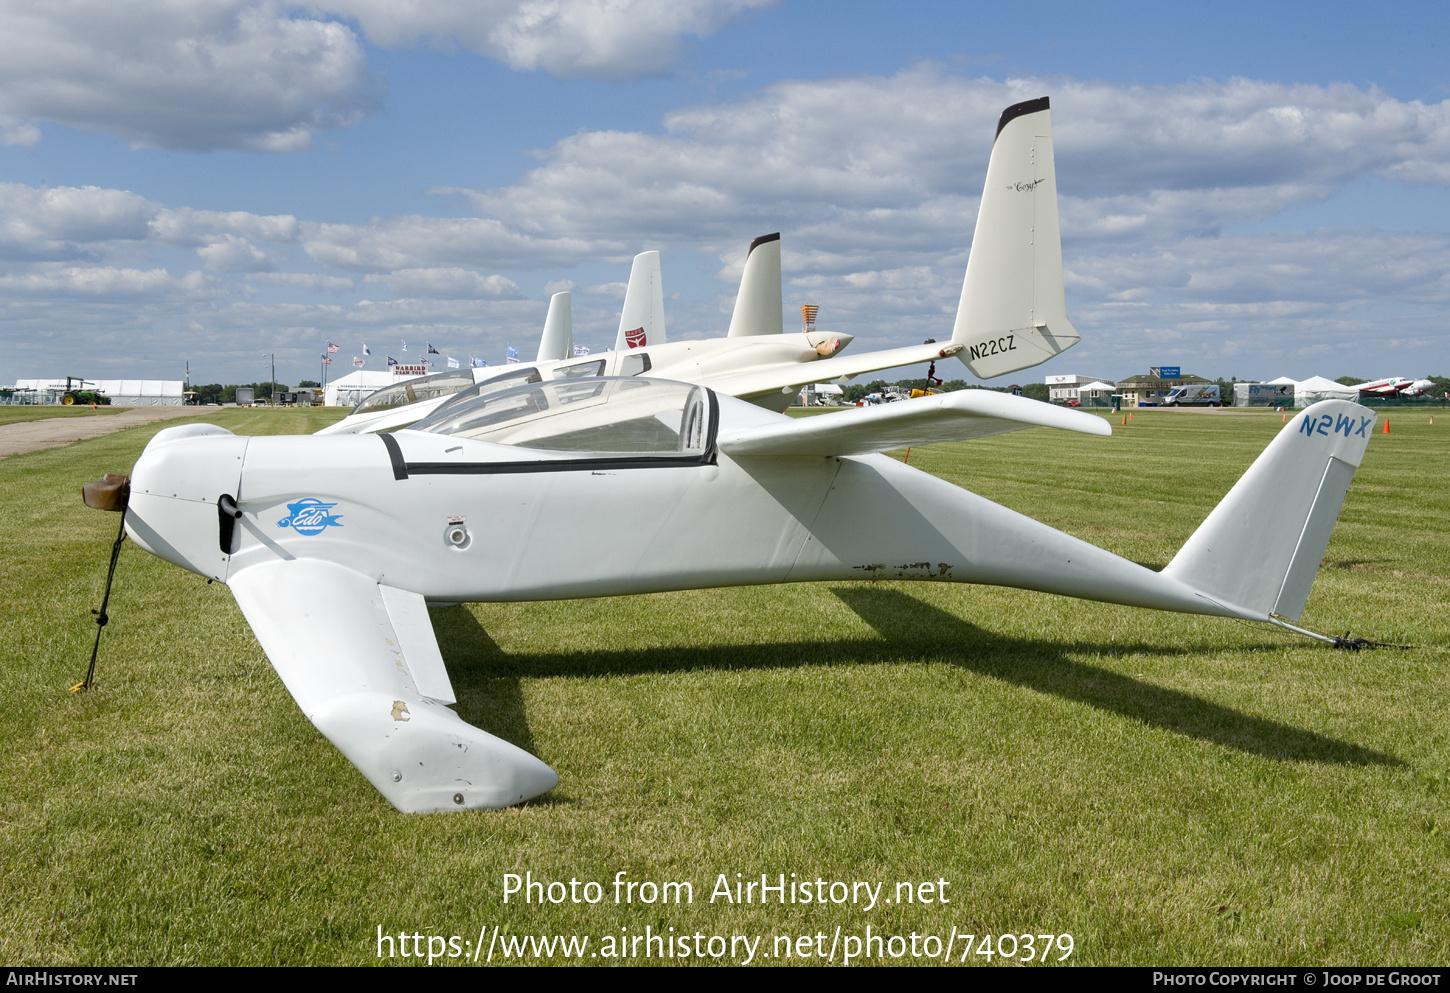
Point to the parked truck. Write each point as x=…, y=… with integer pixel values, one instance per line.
x=1194, y=395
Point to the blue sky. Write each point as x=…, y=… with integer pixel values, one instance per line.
x=1247, y=190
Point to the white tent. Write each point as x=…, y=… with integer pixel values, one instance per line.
x=122, y=392
x=350, y=389
x=1317, y=388
x=1282, y=381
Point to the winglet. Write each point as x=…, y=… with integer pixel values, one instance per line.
x=557, y=341
x=758, y=305
x=642, y=322
x=1260, y=548
x=1012, y=313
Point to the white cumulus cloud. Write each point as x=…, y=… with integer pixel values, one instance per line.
x=67, y=221
x=108, y=282
x=197, y=74
x=613, y=39
x=268, y=75
x=447, y=283
x=233, y=254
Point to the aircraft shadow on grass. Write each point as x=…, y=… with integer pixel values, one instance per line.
x=486, y=679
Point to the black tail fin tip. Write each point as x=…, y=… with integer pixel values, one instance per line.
x=1020, y=110
x=762, y=240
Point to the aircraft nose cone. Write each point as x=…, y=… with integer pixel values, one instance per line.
x=534, y=778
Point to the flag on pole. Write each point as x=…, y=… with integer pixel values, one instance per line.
x=327, y=360
x=581, y=350
x=427, y=363
x=474, y=362
x=452, y=362
x=405, y=346
x=366, y=349
x=392, y=361
x=513, y=354
x=358, y=363
x=331, y=348
x=431, y=349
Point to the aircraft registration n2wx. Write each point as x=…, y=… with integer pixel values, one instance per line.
x=334, y=546
x=1012, y=313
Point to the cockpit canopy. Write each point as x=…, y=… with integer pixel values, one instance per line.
x=594, y=415
x=416, y=390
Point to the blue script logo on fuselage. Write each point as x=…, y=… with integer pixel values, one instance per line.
x=310, y=517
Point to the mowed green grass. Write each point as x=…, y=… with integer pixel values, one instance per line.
x=1167, y=789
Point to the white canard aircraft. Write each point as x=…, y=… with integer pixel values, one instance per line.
x=1012, y=313
x=334, y=546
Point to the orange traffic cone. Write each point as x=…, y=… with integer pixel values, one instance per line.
x=1125, y=420
x=1387, y=425
x=1283, y=418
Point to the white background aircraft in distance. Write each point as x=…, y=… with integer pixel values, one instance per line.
x=1012, y=313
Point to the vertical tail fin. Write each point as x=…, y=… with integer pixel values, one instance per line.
x=1012, y=313
x=758, y=306
x=558, y=338
x=1261, y=546
x=642, y=322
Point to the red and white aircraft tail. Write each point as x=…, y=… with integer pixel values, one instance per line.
x=642, y=322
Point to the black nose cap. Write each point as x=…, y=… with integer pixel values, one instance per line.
x=111, y=492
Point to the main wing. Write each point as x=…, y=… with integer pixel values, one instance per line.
x=790, y=378
x=957, y=416
x=361, y=661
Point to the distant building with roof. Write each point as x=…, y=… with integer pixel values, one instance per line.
x=1062, y=388
x=1150, y=390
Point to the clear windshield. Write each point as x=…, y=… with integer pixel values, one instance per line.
x=605, y=416
x=414, y=390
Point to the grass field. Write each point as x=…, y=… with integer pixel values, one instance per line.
x=1166, y=789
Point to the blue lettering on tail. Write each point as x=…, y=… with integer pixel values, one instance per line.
x=1345, y=423
x=1364, y=423
x=1324, y=422
x=1306, y=426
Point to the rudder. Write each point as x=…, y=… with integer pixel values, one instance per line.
x=557, y=341
x=1013, y=312
x=642, y=321
x=758, y=304
x=1261, y=547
